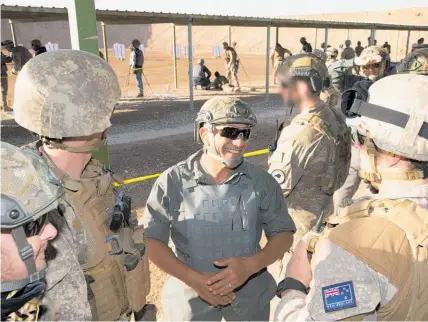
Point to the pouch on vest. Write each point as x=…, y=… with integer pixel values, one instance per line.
x=339, y=152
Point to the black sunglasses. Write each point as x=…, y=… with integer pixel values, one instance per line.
x=34, y=228
x=233, y=133
x=377, y=65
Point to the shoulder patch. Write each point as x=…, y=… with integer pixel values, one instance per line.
x=278, y=175
x=338, y=296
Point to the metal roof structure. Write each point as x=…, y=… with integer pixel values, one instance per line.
x=116, y=17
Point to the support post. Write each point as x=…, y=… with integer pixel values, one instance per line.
x=83, y=31
x=326, y=38
x=12, y=31
x=174, y=56
x=396, y=47
x=190, y=51
x=347, y=34
x=230, y=36
x=372, y=35
x=267, y=61
x=316, y=36
x=103, y=27
x=277, y=35
x=408, y=42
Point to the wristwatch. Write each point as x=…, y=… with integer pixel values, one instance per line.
x=290, y=283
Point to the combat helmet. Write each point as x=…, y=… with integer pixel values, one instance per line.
x=221, y=111
x=66, y=94
x=29, y=192
x=395, y=119
x=415, y=63
x=305, y=65
x=135, y=43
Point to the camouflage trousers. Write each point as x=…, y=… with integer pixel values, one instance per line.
x=233, y=72
x=4, y=89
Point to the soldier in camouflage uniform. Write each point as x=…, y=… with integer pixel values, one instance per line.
x=313, y=152
x=215, y=206
x=277, y=57
x=374, y=62
x=373, y=264
x=27, y=199
x=329, y=95
x=4, y=82
x=68, y=101
x=232, y=64
x=415, y=63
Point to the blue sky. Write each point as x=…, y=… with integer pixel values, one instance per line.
x=260, y=8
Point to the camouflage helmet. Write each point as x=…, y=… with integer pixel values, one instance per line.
x=224, y=110
x=135, y=43
x=69, y=93
x=415, y=63
x=305, y=65
x=320, y=54
x=29, y=191
x=400, y=124
x=371, y=55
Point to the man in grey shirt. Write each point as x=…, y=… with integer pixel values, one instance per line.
x=215, y=206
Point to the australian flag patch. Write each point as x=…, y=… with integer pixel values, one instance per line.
x=338, y=296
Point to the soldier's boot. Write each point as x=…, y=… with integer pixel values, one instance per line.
x=4, y=106
x=141, y=93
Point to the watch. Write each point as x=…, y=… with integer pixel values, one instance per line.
x=290, y=283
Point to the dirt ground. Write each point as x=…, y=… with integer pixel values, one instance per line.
x=159, y=75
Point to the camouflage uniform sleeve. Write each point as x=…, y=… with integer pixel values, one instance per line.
x=333, y=266
x=156, y=217
x=66, y=297
x=297, y=146
x=276, y=218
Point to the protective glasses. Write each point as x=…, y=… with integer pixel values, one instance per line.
x=233, y=133
x=34, y=228
x=375, y=66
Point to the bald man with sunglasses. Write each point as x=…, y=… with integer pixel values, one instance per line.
x=215, y=206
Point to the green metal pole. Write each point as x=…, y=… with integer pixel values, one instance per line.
x=326, y=38
x=408, y=42
x=104, y=26
x=277, y=35
x=12, y=31
x=190, y=52
x=174, y=56
x=230, y=36
x=267, y=62
x=84, y=36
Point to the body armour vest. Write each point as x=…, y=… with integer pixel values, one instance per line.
x=328, y=122
x=222, y=221
x=113, y=254
x=391, y=236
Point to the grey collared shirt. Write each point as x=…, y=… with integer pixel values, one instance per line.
x=165, y=204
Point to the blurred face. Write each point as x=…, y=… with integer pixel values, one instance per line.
x=12, y=266
x=293, y=93
x=224, y=46
x=231, y=140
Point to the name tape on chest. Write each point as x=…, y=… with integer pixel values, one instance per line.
x=338, y=296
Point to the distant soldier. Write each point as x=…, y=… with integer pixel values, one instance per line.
x=306, y=47
x=231, y=60
x=359, y=49
x=387, y=47
x=419, y=44
x=136, y=62
x=331, y=55
x=4, y=82
x=238, y=61
x=37, y=47
x=20, y=55
x=218, y=81
x=348, y=52
x=278, y=56
x=201, y=74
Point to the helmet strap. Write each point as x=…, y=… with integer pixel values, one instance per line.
x=91, y=146
x=26, y=253
x=229, y=163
